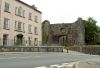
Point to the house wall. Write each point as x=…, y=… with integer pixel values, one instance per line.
x=12, y=33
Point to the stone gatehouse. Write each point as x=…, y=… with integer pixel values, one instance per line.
x=63, y=33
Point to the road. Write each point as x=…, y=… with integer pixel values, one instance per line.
x=32, y=60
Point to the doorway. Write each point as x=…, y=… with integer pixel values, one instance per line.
x=19, y=40
x=5, y=40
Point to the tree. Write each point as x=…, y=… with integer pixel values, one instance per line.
x=91, y=30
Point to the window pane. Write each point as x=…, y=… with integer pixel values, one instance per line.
x=15, y=25
x=30, y=16
x=23, y=27
x=19, y=11
x=6, y=23
x=19, y=26
x=35, y=31
x=36, y=19
x=16, y=10
x=23, y=13
x=6, y=7
x=29, y=28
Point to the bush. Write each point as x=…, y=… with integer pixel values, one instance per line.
x=67, y=47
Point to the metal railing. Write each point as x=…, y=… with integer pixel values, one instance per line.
x=27, y=46
x=10, y=42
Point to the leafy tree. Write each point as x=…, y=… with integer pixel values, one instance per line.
x=91, y=30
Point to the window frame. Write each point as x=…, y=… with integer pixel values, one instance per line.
x=36, y=19
x=35, y=30
x=30, y=16
x=20, y=11
x=19, y=26
x=23, y=27
x=23, y=13
x=6, y=24
x=7, y=7
x=29, y=28
x=16, y=10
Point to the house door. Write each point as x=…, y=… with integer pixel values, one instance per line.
x=19, y=40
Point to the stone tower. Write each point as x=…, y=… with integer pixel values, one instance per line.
x=79, y=26
x=45, y=31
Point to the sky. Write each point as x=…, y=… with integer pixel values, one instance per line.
x=67, y=11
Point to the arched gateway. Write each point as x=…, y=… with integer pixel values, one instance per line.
x=64, y=33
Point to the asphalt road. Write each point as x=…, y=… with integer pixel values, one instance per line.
x=32, y=60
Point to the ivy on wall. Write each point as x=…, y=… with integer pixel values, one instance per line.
x=45, y=37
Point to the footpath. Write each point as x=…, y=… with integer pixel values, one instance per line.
x=95, y=63
x=64, y=51
x=74, y=52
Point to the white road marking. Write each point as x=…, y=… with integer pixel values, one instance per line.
x=54, y=66
x=64, y=65
x=41, y=67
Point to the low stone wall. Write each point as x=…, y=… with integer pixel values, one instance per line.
x=32, y=49
x=94, y=50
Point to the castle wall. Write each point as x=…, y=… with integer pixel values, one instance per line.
x=65, y=33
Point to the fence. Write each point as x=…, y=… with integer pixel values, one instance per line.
x=95, y=50
x=27, y=46
x=32, y=49
x=9, y=42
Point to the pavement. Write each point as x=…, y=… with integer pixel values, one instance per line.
x=74, y=52
x=89, y=64
x=95, y=63
x=65, y=51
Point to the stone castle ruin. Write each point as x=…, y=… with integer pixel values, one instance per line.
x=64, y=33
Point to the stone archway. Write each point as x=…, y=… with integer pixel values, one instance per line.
x=63, y=40
x=20, y=36
x=59, y=40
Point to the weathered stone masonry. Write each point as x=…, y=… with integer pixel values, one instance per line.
x=64, y=33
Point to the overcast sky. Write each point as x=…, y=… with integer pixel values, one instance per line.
x=67, y=11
